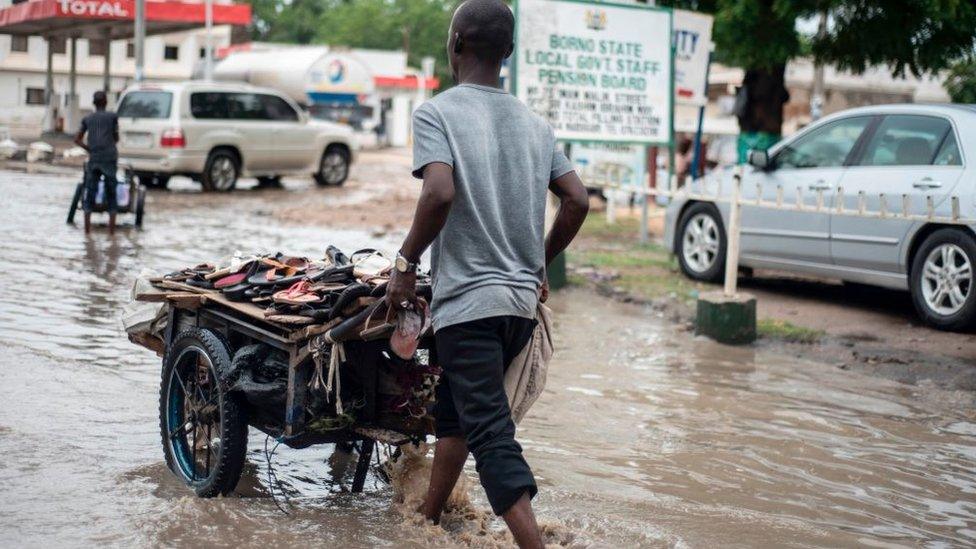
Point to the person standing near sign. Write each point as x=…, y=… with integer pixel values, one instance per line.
x=102, y=127
x=486, y=161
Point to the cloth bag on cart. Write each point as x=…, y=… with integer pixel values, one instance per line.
x=525, y=377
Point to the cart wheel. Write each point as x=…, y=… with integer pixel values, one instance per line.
x=203, y=428
x=79, y=190
x=140, y=205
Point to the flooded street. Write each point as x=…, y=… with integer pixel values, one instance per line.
x=645, y=436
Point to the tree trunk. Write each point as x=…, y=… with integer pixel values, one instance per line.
x=766, y=94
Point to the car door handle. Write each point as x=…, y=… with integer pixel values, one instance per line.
x=927, y=183
x=820, y=185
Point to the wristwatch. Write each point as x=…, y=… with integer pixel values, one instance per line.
x=404, y=265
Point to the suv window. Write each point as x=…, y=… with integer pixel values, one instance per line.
x=245, y=106
x=145, y=104
x=208, y=105
x=277, y=108
x=906, y=140
x=824, y=147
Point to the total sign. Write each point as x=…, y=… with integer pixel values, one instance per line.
x=595, y=71
x=692, y=44
x=102, y=9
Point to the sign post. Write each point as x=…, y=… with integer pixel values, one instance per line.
x=692, y=46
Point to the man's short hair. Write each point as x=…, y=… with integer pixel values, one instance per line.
x=99, y=98
x=486, y=28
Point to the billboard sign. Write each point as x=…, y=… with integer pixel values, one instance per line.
x=692, y=44
x=617, y=163
x=597, y=72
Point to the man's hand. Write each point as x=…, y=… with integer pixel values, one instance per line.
x=401, y=290
x=544, y=291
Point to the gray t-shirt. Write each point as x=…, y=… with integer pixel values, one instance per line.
x=489, y=260
x=101, y=127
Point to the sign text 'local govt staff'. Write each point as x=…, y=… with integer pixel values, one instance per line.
x=596, y=72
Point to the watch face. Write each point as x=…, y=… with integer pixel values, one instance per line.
x=401, y=264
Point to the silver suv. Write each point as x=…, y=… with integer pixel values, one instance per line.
x=217, y=132
x=907, y=153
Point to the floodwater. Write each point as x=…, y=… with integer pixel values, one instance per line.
x=646, y=436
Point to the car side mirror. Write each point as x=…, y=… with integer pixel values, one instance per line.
x=759, y=159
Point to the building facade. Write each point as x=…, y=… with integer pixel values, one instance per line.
x=23, y=62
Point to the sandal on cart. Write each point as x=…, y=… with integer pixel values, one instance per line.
x=336, y=257
x=198, y=282
x=348, y=297
x=230, y=280
x=236, y=292
x=297, y=294
x=369, y=263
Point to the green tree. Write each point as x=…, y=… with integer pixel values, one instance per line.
x=418, y=27
x=910, y=36
x=961, y=81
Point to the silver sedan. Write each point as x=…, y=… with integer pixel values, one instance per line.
x=888, y=158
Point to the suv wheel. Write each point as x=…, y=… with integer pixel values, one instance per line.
x=152, y=180
x=701, y=243
x=333, y=168
x=221, y=171
x=942, y=280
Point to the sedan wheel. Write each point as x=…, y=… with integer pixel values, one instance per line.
x=942, y=280
x=947, y=279
x=701, y=244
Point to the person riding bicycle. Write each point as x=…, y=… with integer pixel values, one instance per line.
x=102, y=127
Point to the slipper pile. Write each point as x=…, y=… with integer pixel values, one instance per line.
x=297, y=290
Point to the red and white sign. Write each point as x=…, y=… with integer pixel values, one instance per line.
x=28, y=16
x=93, y=8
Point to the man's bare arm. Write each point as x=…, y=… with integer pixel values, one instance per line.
x=431, y=215
x=80, y=139
x=574, y=203
x=432, y=209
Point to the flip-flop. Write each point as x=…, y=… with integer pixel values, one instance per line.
x=370, y=263
x=237, y=292
x=297, y=294
x=230, y=280
x=410, y=324
x=348, y=296
x=376, y=330
x=336, y=257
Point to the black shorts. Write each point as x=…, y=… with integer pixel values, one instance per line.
x=471, y=401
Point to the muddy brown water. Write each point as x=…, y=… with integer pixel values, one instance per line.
x=646, y=436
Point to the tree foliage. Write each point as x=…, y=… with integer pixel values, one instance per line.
x=961, y=81
x=418, y=27
x=909, y=36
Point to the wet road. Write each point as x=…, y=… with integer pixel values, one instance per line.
x=645, y=436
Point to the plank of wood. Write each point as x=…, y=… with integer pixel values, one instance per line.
x=187, y=300
x=150, y=342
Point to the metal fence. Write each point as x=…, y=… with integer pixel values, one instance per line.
x=904, y=208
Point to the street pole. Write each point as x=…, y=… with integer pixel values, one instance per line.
x=817, y=96
x=208, y=47
x=140, y=39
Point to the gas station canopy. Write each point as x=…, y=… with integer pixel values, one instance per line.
x=100, y=19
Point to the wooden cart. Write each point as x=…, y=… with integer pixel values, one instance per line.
x=211, y=344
